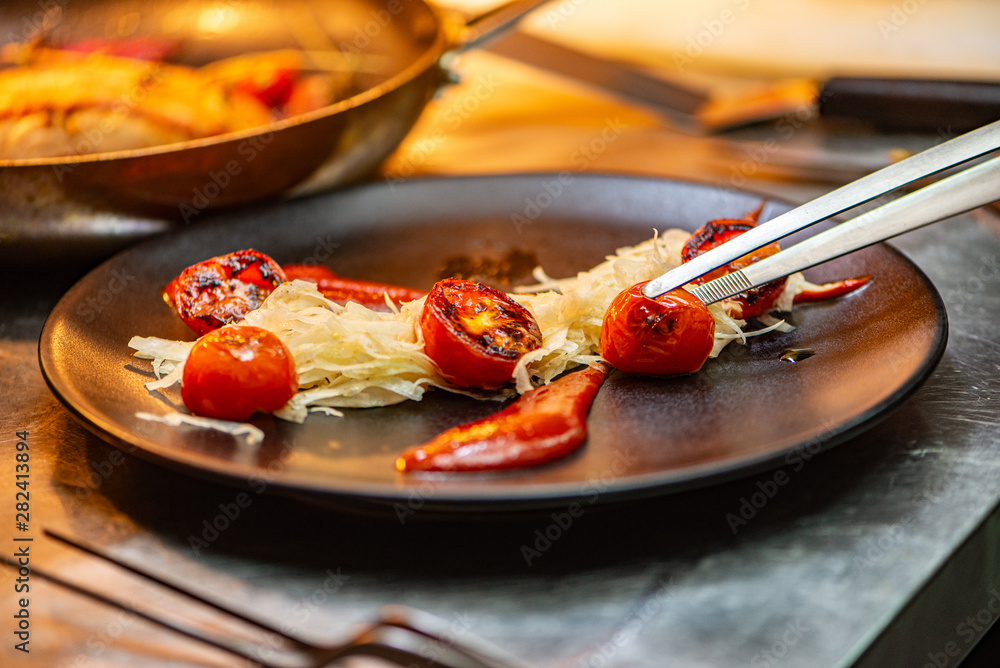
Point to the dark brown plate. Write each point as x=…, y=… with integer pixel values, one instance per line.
x=745, y=411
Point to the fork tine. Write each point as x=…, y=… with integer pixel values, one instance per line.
x=366, y=643
x=370, y=641
x=236, y=648
x=180, y=588
x=406, y=641
x=433, y=627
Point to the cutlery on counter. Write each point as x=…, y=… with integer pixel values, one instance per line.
x=889, y=104
x=400, y=634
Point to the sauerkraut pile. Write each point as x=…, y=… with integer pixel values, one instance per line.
x=351, y=357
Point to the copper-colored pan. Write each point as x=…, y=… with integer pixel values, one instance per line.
x=394, y=48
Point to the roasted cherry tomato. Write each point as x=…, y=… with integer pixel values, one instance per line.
x=755, y=301
x=233, y=372
x=672, y=334
x=544, y=424
x=342, y=290
x=209, y=294
x=476, y=334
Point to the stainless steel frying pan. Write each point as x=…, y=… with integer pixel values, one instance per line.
x=393, y=47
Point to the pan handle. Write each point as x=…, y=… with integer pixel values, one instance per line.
x=491, y=23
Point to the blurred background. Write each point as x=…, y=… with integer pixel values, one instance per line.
x=505, y=110
x=729, y=49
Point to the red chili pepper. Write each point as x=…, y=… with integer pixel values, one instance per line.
x=342, y=290
x=544, y=424
x=831, y=290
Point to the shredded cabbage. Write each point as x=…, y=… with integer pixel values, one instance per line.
x=250, y=434
x=351, y=356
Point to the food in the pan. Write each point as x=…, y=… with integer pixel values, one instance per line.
x=469, y=338
x=99, y=97
x=543, y=424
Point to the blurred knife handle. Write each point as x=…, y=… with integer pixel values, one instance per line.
x=912, y=105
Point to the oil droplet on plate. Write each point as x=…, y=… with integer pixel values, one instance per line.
x=794, y=355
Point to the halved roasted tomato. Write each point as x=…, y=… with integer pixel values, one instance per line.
x=672, y=334
x=476, y=334
x=222, y=289
x=755, y=301
x=233, y=372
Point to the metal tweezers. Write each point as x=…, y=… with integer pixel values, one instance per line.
x=966, y=190
x=400, y=634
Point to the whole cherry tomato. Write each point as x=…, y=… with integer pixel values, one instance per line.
x=476, y=334
x=233, y=372
x=672, y=334
x=755, y=301
x=342, y=290
x=209, y=294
